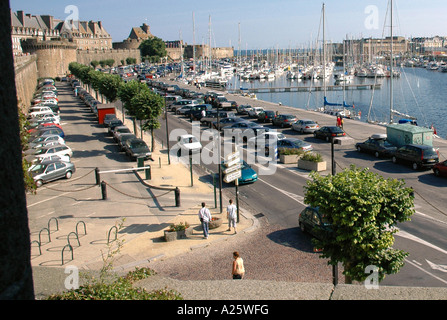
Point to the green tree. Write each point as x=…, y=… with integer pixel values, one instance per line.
x=153, y=47
x=362, y=208
x=94, y=63
x=109, y=86
x=148, y=106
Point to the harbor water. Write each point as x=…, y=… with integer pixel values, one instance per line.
x=418, y=92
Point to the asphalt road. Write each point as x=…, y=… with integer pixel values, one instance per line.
x=279, y=197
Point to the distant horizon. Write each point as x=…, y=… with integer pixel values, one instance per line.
x=252, y=24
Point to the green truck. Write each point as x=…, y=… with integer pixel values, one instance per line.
x=403, y=134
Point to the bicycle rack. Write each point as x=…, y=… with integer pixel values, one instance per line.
x=63, y=249
x=38, y=244
x=85, y=230
x=116, y=234
x=77, y=238
x=40, y=232
x=57, y=223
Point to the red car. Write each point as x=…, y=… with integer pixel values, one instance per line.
x=42, y=125
x=440, y=169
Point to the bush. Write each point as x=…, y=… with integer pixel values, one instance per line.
x=313, y=157
x=120, y=289
x=178, y=227
x=290, y=151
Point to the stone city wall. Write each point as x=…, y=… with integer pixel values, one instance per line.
x=26, y=76
x=87, y=56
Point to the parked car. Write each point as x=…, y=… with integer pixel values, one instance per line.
x=312, y=221
x=181, y=103
x=284, y=120
x=243, y=109
x=248, y=174
x=118, y=131
x=264, y=139
x=329, y=132
x=50, y=138
x=247, y=129
x=226, y=122
x=113, y=124
x=255, y=111
x=212, y=116
x=196, y=111
x=47, y=131
x=266, y=116
x=122, y=139
x=377, y=145
x=305, y=126
x=419, y=156
x=61, y=149
x=137, y=148
x=293, y=143
x=440, y=169
x=109, y=118
x=46, y=172
x=188, y=144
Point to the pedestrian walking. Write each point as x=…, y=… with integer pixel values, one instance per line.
x=338, y=121
x=238, y=266
x=205, y=218
x=341, y=122
x=232, y=216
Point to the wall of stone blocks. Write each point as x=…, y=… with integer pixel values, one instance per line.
x=26, y=76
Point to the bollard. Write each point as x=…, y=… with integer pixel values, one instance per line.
x=97, y=176
x=177, y=196
x=140, y=162
x=148, y=173
x=103, y=190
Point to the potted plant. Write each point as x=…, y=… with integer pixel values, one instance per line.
x=215, y=222
x=312, y=161
x=177, y=231
x=289, y=155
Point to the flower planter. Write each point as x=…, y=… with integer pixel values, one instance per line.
x=215, y=223
x=289, y=158
x=174, y=235
x=311, y=165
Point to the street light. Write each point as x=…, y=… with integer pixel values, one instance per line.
x=167, y=131
x=334, y=267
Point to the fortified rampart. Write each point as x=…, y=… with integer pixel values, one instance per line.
x=87, y=56
x=26, y=76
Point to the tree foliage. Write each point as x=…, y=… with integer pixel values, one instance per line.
x=153, y=47
x=363, y=209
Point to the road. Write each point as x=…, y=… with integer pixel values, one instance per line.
x=279, y=197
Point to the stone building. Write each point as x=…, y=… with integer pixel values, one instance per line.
x=85, y=35
x=136, y=36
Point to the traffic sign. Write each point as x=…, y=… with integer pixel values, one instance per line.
x=233, y=176
x=233, y=168
x=232, y=156
x=233, y=162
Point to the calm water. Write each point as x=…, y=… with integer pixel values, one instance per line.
x=417, y=92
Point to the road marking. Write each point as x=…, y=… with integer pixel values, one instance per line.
x=31, y=205
x=434, y=266
x=46, y=214
x=295, y=197
x=425, y=271
x=409, y=236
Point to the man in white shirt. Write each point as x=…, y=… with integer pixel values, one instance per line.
x=232, y=216
x=205, y=218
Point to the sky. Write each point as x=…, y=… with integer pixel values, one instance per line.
x=252, y=24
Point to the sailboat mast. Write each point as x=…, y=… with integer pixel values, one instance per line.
x=391, y=63
x=324, y=55
x=193, y=44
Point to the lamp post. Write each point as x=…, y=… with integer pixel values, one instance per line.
x=167, y=131
x=219, y=161
x=334, y=267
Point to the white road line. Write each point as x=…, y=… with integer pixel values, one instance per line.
x=293, y=196
x=32, y=205
x=425, y=271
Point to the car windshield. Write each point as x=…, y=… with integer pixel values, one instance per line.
x=38, y=168
x=139, y=144
x=190, y=140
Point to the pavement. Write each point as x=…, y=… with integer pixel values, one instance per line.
x=143, y=245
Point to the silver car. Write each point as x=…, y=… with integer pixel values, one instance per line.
x=46, y=172
x=305, y=126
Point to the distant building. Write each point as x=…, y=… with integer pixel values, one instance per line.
x=85, y=35
x=136, y=36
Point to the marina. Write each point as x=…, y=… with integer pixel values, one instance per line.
x=308, y=88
